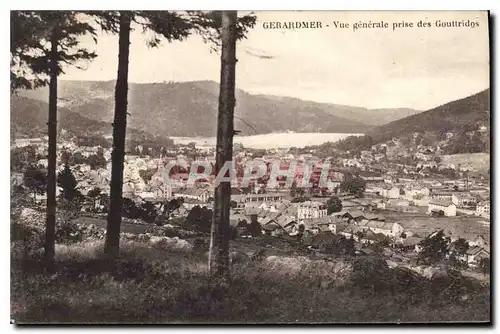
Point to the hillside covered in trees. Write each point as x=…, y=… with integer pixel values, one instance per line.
x=29, y=119
x=462, y=126
x=171, y=108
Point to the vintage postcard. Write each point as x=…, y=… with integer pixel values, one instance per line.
x=224, y=167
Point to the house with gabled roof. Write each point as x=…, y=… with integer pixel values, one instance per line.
x=370, y=237
x=324, y=227
x=190, y=203
x=251, y=211
x=439, y=207
x=273, y=215
x=283, y=206
x=466, y=199
x=379, y=204
x=311, y=209
x=201, y=194
x=324, y=242
x=339, y=214
x=317, y=225
x=338, y=227
x=483, y=208
x=386, y=228
x=352, y=231
x=371, y=216
x=356, y=215
x=475, y=255
x=288, y=223
x=273, y=229
x=476, y=240
x=412, y=244
x=262, y=213
x=446, y=196
x=364, y=204
x=390, y=192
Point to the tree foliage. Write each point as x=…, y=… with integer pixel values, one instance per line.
x=353, y=185
x=35, y=179
x=173, y=26
x=465, y=142
x=67, y=181
x=93, y=141
x=370, y=274
x=296, y=191
x=143, y=145
x=254, y=228
x=484, y=266
x=30, y=46
x=148, y=212
x=42, y=44
x=22, y=157
x=146, y=174
x=345, y=246
x=334, y=204
x=97, y=161
x=94, y=194
x=200, y=218
x=171, y=205
x=434, y=248
x=355, y=143
x=458, y=250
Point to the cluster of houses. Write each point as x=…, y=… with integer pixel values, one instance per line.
x=360, y=218
x=362, y=222
x=365, y=228
x=439, y=199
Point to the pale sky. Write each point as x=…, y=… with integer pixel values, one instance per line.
x=375, y=68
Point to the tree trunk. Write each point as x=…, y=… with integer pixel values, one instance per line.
x=50, y=228
x=219, y=241
x=112, y=244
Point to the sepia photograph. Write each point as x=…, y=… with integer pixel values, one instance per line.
x=250, y=167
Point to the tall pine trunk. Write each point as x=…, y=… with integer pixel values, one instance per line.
x=50, y=228
x=220, y=233
x=112, y=244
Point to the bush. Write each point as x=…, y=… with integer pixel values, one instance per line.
x=370, y=274
x=30, y=239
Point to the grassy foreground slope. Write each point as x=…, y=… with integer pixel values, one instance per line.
x=154, y=285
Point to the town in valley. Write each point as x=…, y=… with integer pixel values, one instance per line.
x=236, y=167
x=387, y=197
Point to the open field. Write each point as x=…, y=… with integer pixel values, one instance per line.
x=423, y=224
x=478, y=161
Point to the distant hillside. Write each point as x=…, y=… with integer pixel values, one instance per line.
x=461, y=126
x=455, y=117
x=190, y=109
x=28, y=118
x=371, y=117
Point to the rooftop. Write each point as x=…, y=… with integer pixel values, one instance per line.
x=440, y=203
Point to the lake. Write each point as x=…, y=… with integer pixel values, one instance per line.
x=271, y=140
